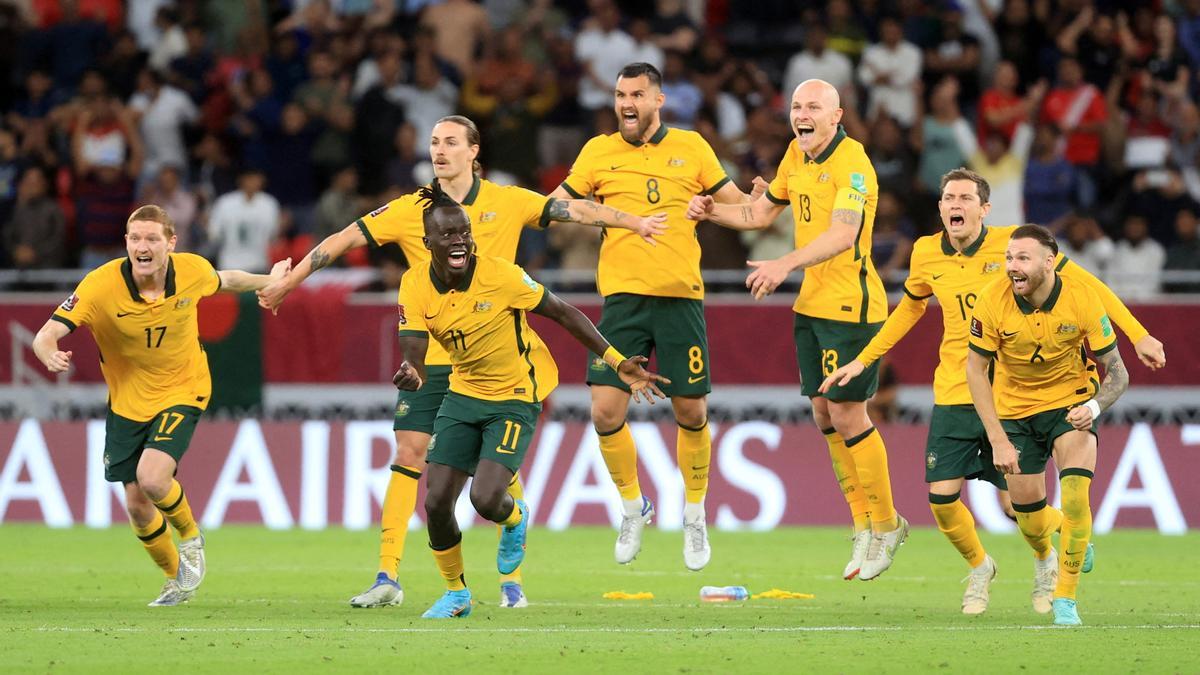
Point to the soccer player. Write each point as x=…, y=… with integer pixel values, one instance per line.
x=1034, y=325
x=954, y=266
x=499, y=213
x=474, y=307
x=829, y=182
x=653, y=297
x=142, y=313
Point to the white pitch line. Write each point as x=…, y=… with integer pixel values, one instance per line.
x=583, y=630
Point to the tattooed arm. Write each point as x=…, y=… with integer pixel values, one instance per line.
x=1116, y=381
x=588, y=212
x=769, y=274
x=756, y=215
x=333, y=247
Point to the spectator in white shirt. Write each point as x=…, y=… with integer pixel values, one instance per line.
x=1136, y=268
x=890, y=71
x=430, y=98
x=243, y=223
x=171, y=42
x=161, y=111
x=646, y=51
x=1087, y=245
x=602, y=49
x=819, y=62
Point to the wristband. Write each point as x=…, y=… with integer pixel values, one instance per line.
x=1094, y=407
x=613, y=357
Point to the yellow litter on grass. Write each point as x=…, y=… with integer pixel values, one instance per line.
x=779, y=594
x=622, y=595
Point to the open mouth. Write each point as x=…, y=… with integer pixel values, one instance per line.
x=457, y=258
x=804, y=131
x=144, y=259
x=1020, y=282
x=629, y=119
x=956, y=220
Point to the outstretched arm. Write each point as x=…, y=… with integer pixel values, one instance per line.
x=588, y=212
x=237, y=281
x=840, y=236
x=642, y=383
x=757, y=215
x=45, y=346
x=331, y=248
x=1147, y=347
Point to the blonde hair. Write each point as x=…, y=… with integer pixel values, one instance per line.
x=154, y=214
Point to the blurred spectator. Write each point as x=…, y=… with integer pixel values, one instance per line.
x=403, y=168
x=1003, y=165
x=846, y=34
x=1091, y=40
x=1051, y=182
x=287, y=66
x=885, y=405
x=243, y=223
x=818, y=61
x=430, y=98
x=1167, y=64
x=72, y=45
x=366, y=75
x=36, y=236
x=894, y=162
x=955, y=53
x=943, y=137
x=1001, y=108
x=1135, y=272
x=339, y=205
x=672, y=27
x=1086, y=244
x=683, y=97
x=141, y=20
x=505, y=62
x=171, y=42
x=289, y=169
x=561, y=136
x=510, y=119
x=324, y=87
x=37, y=103
x=723, y=108
x=460, y=28
x=12, y=165
x=1019, y=32
x=189, y=72
x=161, y=112
x=1077, y=109
x=1185, y=135
x=892, y=241
x=645, y=49
x=377, y=116
x=167, y=190
x=890, y=70
x=122, y=64
x=257, y=117
x=578, y=245
x=214, y=172
x=103, y=200
x=602, y=49
x=1184, y=254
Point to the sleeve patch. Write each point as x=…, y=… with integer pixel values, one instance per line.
x=976, y=327
x=859, y=183
x=69, y=303
x=1106, y=326
x=403, y=319
x=529, y=281
x=378, y=211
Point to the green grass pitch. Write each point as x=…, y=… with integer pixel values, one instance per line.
x=74, y=601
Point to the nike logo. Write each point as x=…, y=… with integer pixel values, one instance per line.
x=938, y=276
x=123, y=314
x=1009, y=334
x=699, y=468
x=1076, y=552
x=500, y=449
x=615, y=167
x=162, y=438
x=694, y=380
x=429, y=316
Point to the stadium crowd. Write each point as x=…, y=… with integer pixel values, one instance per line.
x=264, y=125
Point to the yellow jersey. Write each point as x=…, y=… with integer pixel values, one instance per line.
x=1040, y=350
x=482, y=325
x=659, y=176
x=498, y=213
x=955, y=278
x=150, y=352
x=845, y=287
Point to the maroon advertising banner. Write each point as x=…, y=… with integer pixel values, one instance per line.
x=318, y=474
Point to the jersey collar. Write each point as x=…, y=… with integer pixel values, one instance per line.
x=127, y=274
x=654, y=140
x=833, y=143
x=970, y=250
x=473, y=193
x=462, y=286
x=1027, y=308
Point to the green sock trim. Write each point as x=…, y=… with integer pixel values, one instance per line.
x=610, y=433
x=406, y=471
x=1029, y=508
x=944, y=499
x=1075, y=472
x=851, y=442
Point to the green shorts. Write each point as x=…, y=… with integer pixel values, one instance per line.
x=470, y=429
x=170, y=431
x=1034, y=437
x=416, y=410
x=823, y=346
x=958, y=447
x=672, y=329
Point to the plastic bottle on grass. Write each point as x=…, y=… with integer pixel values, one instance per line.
x=723, y=593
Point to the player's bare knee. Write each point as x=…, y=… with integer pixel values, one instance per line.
x=606, y=419
x=489, y=500
x=412, y=455
x=849, y=418
x=439, y=504
x=153, y=484
x=690, y=412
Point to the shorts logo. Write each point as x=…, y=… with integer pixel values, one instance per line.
x=183, y=303
x=377, y=211
x=931, y=460
x=483, y=306
x=432, y=442
x=402, y=409
x=1066, y=328
x=859, y=183
x=69, y=303
x=487, y=217
x=107, y=460
x=598, y=364
x=990, y=267
x=976, y=328
x=676, y=162
x=403, y=319
x=1106, y=326
x=528, y=281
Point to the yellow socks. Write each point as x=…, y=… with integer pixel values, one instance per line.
x=847, y=478
x=955, y=521
x=620, y=456
x=513, y=518
x=517, y=492
x=870, y=460
x=156, y=537
x=175, y=507
x=1037, y=522
x=450, y=564
x=398, y=504
x=693, y=451
x=1076, y=529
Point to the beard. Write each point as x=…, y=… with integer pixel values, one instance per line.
x=642, y=126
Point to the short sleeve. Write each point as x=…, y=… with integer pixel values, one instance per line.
x=855, y=185
x=581, y=182
x=917, y=286
x=79, y=309
x=386, y=223
x=712, y=174
x=1097, y=327
x=210, y=279
x=411, y=305
x=985, y=333
x=777, y=191
x=534, y=208
x=523, y=292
